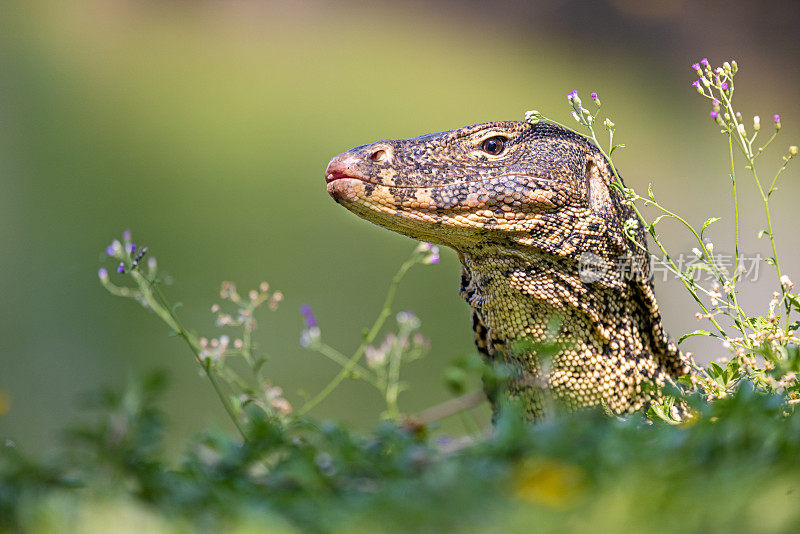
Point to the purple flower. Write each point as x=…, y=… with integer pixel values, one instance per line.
x=311, y=320
x=131, y=248
x=704, y=62
x=696, y=66
x=126, y=235
x=443, y=441
x=714, y=114
x=110, y=249
x=102, y=273
x=696, y=83
x=593, y=95
x=121, y=268
x=724, y=86
x=572, y=95
x=777, y=118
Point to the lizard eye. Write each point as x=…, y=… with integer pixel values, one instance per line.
x=494, y=145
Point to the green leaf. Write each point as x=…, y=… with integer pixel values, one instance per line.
x=697, y=333
x=762, y=233
x=651, y=228
x=708, y=223
x=650, y=192
x=658, y=219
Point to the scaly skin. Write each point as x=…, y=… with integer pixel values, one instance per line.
x=539, y=231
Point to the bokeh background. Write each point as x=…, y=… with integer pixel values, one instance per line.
x=205, y=128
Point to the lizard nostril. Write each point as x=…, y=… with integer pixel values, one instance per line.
x=379, y=155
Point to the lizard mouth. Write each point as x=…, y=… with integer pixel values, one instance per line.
x=339, y=175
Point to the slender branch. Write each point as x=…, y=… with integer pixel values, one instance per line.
x=368, y=339
x=159, y=304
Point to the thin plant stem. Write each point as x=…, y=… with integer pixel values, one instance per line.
x=735, y=207
x=368, y=339
x=158, y=303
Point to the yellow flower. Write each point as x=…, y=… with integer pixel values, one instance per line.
x=550, y=482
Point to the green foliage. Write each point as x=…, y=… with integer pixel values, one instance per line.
x=733, y=467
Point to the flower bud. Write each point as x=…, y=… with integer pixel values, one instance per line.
x=756, y=123
x=793, y=150
x=734, y=66
x=572, y=96
x=533, y=116
x=742, y=132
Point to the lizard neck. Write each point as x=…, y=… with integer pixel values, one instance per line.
x=604, y=356
x=518, y=292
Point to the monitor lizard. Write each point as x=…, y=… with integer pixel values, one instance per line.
x=540, y=232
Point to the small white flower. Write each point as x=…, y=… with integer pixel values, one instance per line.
x=374, y=357
x=309, y=336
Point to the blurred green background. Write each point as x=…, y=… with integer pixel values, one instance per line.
x=205, y=128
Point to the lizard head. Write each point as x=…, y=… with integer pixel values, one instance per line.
x=536, y=185
x=523, y=205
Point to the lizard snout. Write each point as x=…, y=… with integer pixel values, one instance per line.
x=344, y=165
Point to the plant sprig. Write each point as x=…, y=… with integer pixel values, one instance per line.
x=771, y=336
